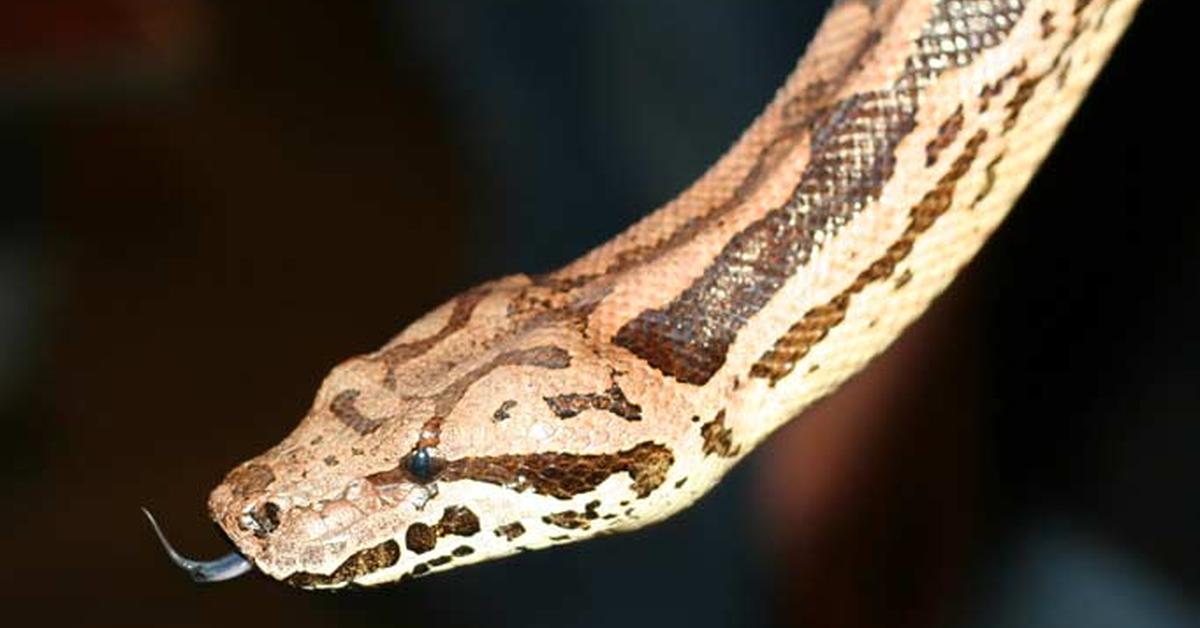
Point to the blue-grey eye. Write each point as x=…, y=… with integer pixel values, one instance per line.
x=423, y=465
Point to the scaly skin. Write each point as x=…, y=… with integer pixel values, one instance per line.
x=616, y=391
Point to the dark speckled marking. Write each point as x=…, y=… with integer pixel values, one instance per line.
x=574, y=520
x=947, y=133
x=360, y=563
x=1027, y=87
x=510, y=531
x=991, y=90
x=1014, y=106
x=612, y=401
x=1047, y=21
x=718, y=439
x=853, y=149
x=501, y=413
x=989, y=179
x=569, y=520
x=344, y=409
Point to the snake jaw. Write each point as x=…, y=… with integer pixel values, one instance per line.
x=227, y=567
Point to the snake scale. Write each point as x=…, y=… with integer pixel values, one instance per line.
x=614, y=392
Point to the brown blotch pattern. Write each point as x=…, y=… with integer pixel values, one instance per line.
x=718, y=439
x=989, y=181
x=249, y=480
x=564, y=475
x=612, y=401
x=394, y=356
x=947, y=133
x=360, y=563
x=991, y=90
x=510, y=531
x=459, y=521
x=344, y=409
x=420, y=538
x=575, y=520
x=456, y=521
x=790, y=348
x=1047, y=22
x=1014, y=106
x=853, y=147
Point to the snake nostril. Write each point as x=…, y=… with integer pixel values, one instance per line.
x=262, y=520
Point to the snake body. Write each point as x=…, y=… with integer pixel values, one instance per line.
x=614, y=392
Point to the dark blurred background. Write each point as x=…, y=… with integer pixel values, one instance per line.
x=207, y=205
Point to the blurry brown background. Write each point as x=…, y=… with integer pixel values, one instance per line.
x=207, y=205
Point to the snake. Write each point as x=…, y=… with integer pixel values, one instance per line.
x=537, y=410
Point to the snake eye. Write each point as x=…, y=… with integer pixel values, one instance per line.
x=423, y=465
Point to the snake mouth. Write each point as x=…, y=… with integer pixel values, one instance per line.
x=227, y=567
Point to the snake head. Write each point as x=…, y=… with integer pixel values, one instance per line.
x=483, y=430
